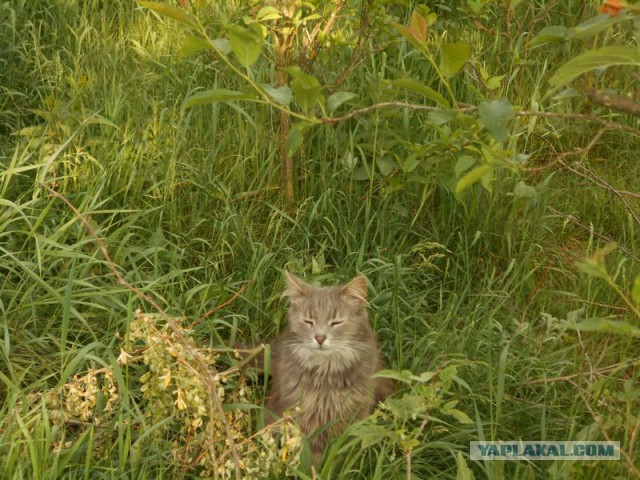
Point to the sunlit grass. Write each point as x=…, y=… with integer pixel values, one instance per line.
x=185, y=203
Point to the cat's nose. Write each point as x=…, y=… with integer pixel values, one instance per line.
x=320, y=339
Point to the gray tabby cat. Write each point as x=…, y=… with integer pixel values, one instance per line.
x=324, y=360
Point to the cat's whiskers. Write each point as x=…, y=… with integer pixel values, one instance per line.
x=354, y=345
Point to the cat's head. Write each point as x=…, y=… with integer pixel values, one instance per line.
x=328, y=319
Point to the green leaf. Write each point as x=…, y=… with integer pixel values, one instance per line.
x=453, y=57
x=592, y=268
x=408, y=34
x=555, y=33
x=293, y=141
x=462, y=383
x=494, y=82
x=268, y=13
x=308, y=18
x=635, y=292
x=487, y=180
x=424, y=377
x=170, y=11
x=600, y=254
x=222, y=44
x=294, y=138
x=246, y=44
x=416, y=32
x=496, y=115
x=418, y=178
x=464, y=473
x=595, y=265
x=410, y=163
x=595, y=25
x=386, y=165
x=448, y=373
x=361, y=173
x=599, y=58
x=96, y=119
x=307, y=90
x=192, y=44
x=215, y=95
x=449, y=405
x=337, y=99
x=369, y=434
x=607, y=326
x=230, y=407
x=282, y=95
x=441, y=117
x=522, y=190
x=568, y=93
x=460, y=416
x=463, y=164
x=473, y=176
x=300, y=76
x=404, y=376
x=415, y=86
x=318, y=265
x=408, y=444
x=418, y=26
x=349, y=160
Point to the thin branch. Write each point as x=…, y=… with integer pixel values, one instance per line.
x=253, y=354
x=614, y=101
x=601, y=371
x=357, y=56
x=266, y=98
x=626, y=193
x=177, y=331
x=609, y=125
x=580, y=116
x=601, y=183
x=589, y=175
x=356, y=59
x=275, y=426
x=580, y=151
x=105, y=253
x=592, y=374
x=601, y=304
x=598, y=420
x=606, y=238
x=378, y=106
x=311, y=44
x=222, y=305
x=254, y=193
x=260, y=191
x=536, y=288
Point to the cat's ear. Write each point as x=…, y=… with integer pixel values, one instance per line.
x=356, y=289
x=296, y=287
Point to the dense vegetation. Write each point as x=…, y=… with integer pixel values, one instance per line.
x=505, y=285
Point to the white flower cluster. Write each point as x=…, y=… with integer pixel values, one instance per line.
x=90, y=398
x=182, y=381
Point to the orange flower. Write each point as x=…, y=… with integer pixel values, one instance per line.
x=611, y=7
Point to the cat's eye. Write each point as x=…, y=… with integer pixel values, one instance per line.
x=311, y=323
x=336, y=323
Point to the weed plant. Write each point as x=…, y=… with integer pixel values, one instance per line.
x=481, y=285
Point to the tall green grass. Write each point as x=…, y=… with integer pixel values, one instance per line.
x=90, y=103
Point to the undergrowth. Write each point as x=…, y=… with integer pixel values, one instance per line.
x=472, y=295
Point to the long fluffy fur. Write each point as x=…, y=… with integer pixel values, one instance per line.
x=330, y=382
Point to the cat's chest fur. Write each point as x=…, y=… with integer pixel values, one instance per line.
x=326, y=388
x=332, y=377
x=323, y=362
